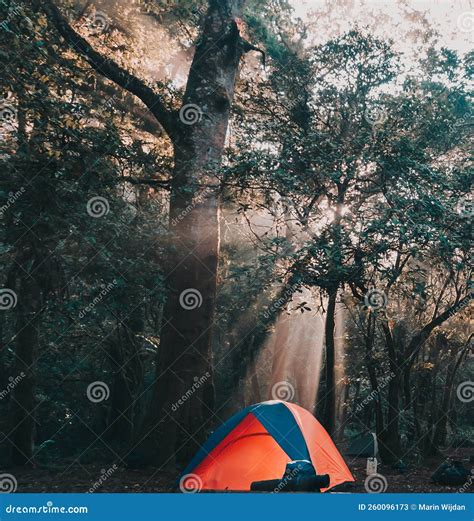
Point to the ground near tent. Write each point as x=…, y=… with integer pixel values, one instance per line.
x=80, y=478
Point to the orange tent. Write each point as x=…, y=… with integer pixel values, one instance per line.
x=257, y=443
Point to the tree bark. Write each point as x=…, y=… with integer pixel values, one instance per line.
x=22, y=403
x=369, y=342
x=329, y=404
x=390, y=446
x=453, y=366
x=185, y=352
x=128, y=374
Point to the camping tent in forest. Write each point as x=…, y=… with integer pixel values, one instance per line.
x=257, y=443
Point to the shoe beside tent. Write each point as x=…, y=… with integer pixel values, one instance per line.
x=257, y=443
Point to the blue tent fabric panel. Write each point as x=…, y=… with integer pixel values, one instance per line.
x=282, y=426
x=216, y=437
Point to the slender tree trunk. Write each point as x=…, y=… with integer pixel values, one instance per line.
x=22, y=403
x=379, y=422
x=455, y=362
x=344, y=400
x=428, y=447
x=390, y=447
x=329, y=403
x=128, y=377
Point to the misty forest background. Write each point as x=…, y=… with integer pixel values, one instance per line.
x=289, y=218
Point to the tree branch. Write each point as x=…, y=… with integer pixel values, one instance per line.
x=155, y=183
x=110, y=69
x=420, y=338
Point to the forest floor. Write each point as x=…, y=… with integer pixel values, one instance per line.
x=417, y=478
x=81, y=478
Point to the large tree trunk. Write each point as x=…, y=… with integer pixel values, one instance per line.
x=22, y=403
x=128, y=374
x=185, y=352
